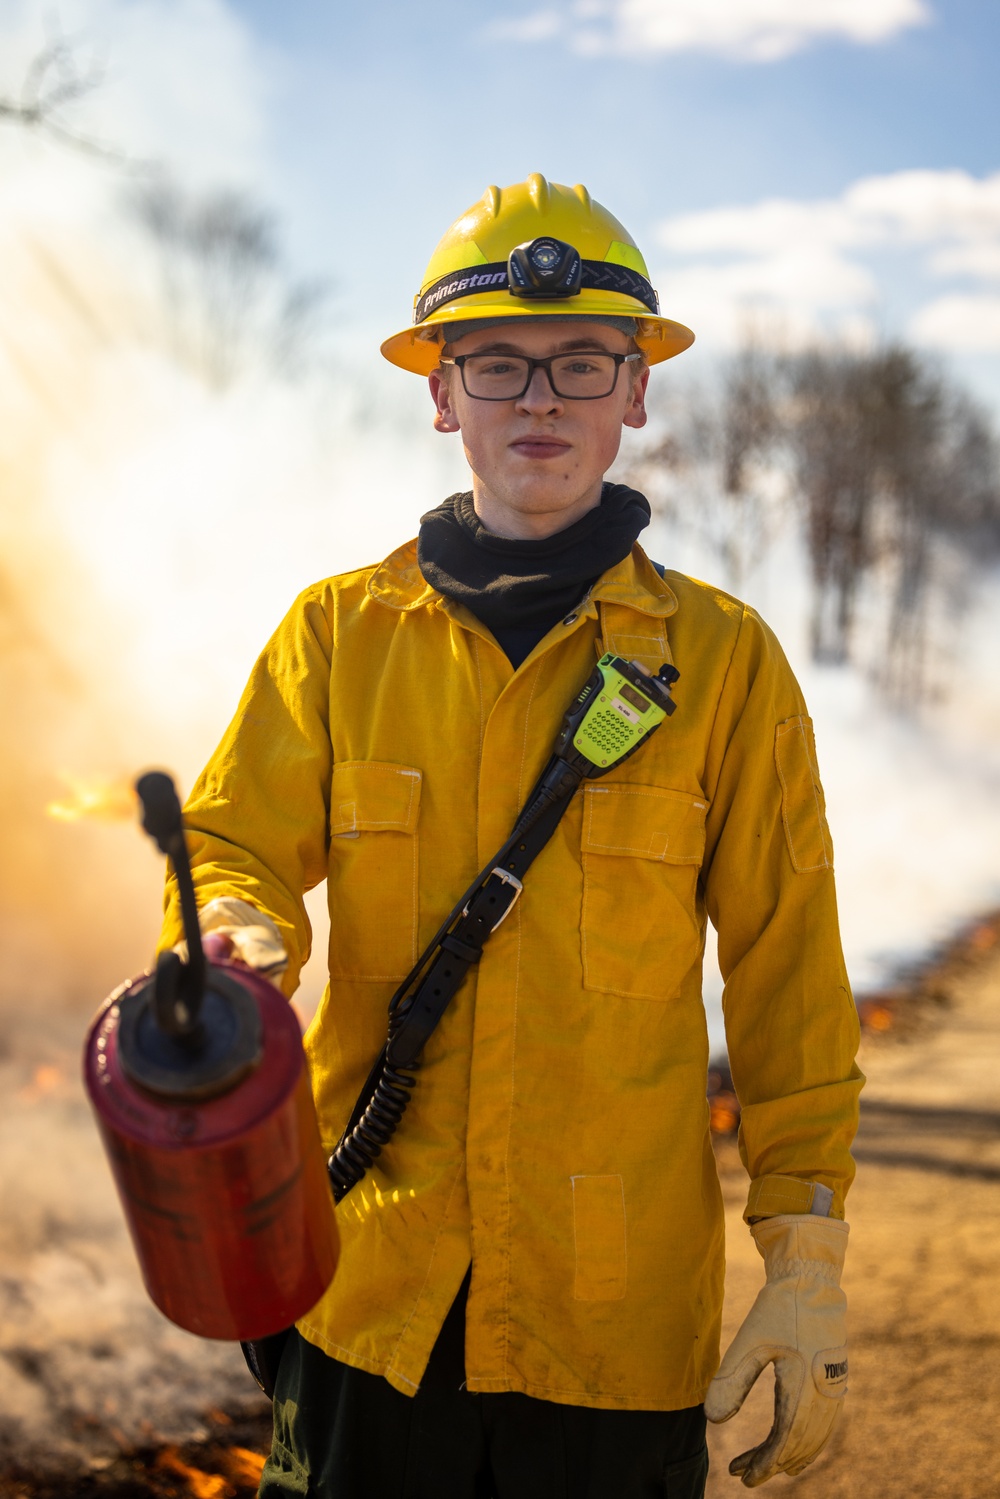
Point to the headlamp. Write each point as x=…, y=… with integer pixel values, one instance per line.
x=544, y=268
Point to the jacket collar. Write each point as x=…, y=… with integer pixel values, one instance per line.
x=398, y=582
x=633, y=583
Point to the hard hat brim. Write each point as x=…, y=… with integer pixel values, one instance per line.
x=658, y=337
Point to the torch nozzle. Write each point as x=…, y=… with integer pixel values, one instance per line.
x=161, y=809
x=179, y=986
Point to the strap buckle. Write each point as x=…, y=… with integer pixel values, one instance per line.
x=506, y=878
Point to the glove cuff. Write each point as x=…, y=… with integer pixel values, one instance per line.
x=228, y=911
x=800, y=1244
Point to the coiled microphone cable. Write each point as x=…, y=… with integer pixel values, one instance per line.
x=585, y=748
x=386, y=1094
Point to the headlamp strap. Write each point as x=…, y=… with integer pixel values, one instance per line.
x=596, y=275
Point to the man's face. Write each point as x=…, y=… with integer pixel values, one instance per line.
x=538, y=462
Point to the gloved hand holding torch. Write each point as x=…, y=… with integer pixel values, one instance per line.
x=798, y=1324
x=237, y=931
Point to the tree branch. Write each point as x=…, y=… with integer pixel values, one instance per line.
x=55, y=80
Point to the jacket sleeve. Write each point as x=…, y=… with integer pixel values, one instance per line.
x=791, y=1023
x=257, y=819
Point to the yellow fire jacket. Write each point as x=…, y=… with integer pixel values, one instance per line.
x=558, y=1134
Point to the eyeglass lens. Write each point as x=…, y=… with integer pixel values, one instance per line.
x=495, y=377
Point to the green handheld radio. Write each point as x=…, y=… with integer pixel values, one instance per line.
x=619, y=707
x=614, y=715
x=616, y=712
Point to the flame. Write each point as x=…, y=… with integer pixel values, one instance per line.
x=46, y=1079
x=877, y=1013
x=724, y=1113
x=985, y=936
x=244, y=1465
x=95, y=797
x=202, y=1485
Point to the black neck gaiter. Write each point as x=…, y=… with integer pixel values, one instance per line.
x=526, y=585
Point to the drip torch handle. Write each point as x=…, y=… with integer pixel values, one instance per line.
x=179, y=986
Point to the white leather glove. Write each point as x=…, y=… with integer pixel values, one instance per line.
x=798, y=1324
x=255, y=939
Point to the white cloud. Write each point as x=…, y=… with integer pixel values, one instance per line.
x=758, y=229
x=539, y=27
x=923, y=205
x=748, y=30
x=803, y=260
x=916, y=206
x=959, y=324
x=980, y=260
x=788, y=291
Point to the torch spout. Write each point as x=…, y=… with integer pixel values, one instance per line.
x=180, y=986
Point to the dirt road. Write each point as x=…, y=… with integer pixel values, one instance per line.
x=923, y=1273
x=95, y=1382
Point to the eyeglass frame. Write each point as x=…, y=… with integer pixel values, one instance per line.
x=546, y=365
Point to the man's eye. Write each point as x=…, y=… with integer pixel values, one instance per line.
x=580, y=367
x=496, y=367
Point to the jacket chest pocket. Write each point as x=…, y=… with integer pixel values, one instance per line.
x=642, y=851
x=373, y=869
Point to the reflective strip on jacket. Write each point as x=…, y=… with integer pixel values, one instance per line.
x=558, y=1134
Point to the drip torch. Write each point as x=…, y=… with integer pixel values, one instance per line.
x=197, y=1078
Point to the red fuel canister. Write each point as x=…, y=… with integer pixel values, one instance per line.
x=197, y=1077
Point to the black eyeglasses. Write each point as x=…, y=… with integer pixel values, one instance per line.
x=588, y=375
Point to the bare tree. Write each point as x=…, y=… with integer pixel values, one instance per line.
x=898, y=476
x=225, y=290
x=893, y=472
x=711, y=473
x=55, y=82
x=831, y=434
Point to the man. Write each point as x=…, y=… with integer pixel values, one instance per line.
x=529, y=1295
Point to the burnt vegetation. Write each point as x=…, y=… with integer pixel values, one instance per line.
x=889, y=470
x=225, y=1464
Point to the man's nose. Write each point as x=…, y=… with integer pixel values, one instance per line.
x=540, y=398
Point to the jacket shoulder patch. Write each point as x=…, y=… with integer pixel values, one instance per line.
x=803, y=807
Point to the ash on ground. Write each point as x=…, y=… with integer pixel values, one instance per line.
x=90, y=1370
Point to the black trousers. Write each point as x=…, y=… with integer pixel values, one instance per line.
x=342, y=1434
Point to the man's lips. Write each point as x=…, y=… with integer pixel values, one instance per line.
x=540, y=446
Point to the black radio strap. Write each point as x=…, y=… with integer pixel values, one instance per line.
x=415, y=1012
x=419, y=1002
x=464, y=944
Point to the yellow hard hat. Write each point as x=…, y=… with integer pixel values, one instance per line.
x=536, y=249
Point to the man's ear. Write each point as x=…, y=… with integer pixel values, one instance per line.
x=635, y=411
x=445, y=419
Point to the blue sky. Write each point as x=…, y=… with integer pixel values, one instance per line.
x=384, y=121
x=830, y=167
x=446, y=106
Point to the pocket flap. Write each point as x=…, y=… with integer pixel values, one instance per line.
x=373, y=796
x=646, y=822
